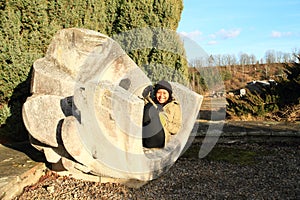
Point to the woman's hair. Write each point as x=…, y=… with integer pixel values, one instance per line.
x=163, y=85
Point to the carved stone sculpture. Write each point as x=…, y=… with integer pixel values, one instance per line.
x=85, y=113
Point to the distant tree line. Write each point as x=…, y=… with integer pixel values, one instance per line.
x=271, y=56
x=208, y=73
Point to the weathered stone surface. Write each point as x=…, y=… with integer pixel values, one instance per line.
x=86, y=112
x=78, y=56
x=17, y=184
x=73, y=166
x=64, y=59
x=42, y=116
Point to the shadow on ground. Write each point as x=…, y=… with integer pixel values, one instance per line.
x=13, y=133
x=14, y=128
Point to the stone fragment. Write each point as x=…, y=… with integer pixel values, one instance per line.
x=42, y=116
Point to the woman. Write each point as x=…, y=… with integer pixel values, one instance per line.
x=162, y=116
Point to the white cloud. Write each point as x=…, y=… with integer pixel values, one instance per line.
x=193, y=35
x=225, y=34
x=212, y=42
x=213, y=36
x=278, y=34
x=212, y=39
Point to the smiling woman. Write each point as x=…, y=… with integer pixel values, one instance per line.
x=162, y=116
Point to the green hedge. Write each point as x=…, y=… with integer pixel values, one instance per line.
x=27, y=27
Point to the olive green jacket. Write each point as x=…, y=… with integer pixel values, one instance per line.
x=172, y=119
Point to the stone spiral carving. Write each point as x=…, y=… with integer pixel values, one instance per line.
x=85, y=113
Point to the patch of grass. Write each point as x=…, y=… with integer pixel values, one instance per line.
x=232, y=155
x=192, y=151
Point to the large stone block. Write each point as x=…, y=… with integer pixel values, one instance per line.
x=86, y=110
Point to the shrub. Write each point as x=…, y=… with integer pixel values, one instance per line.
x=27, y=26
x=269, y=101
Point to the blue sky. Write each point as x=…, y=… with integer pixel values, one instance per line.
x=241, y=26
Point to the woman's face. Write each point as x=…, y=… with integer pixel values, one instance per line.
x=162, y=96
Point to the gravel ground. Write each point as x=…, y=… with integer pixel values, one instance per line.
x=230, y=171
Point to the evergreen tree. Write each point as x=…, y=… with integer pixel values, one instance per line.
x=27, y=27
x=289, y=88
